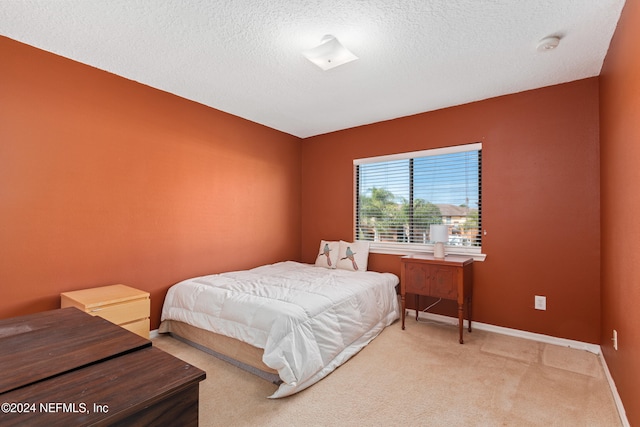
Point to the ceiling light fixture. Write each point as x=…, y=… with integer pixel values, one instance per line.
x=548, y=43
x=329, y=54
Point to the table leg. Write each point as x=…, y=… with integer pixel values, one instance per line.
x=461, y=320
x=403, y=308
x=469, y=311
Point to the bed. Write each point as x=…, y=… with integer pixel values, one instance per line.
x=290, y=322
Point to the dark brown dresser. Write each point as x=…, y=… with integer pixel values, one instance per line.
x=67, y=368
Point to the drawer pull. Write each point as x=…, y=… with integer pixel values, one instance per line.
x=93, y=310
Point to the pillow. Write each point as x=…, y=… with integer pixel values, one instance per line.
x=328, y=254
x=353, y=256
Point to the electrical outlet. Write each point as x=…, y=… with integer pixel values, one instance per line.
x=615, y=339
x=540, y=302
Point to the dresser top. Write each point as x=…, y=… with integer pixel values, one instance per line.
x=457, y=260
x=105, y=295
x=42, y=345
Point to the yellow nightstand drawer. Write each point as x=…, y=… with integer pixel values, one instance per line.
x=119, y=304
x=124, y=312
x=140, y=327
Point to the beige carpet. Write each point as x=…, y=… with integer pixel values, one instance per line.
x=420, y=376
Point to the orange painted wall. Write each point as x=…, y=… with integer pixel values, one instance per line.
x=104, y=180
x=620, y=159
x=541, y=200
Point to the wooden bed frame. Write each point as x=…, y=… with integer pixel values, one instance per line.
x=231, y=350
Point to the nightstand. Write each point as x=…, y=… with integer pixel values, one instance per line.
x=123, y=305
x=448, y=278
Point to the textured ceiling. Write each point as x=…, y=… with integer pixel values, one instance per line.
x=244, y=56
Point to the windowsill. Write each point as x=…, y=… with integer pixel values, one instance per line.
x=408, y=249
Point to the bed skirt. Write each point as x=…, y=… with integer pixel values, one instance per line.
x=238, y=353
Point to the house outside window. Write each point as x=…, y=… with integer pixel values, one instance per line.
x=399, y=196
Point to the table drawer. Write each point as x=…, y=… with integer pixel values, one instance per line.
x=123, y=312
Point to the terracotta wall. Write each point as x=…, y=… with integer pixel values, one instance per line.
x=620, y=164
x=104, y=180
x=540, y=200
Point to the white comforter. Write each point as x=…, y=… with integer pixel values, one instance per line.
x=309, y=320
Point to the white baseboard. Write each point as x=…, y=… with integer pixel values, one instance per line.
x=593, y=348
x=614, y=392
x=153, y=334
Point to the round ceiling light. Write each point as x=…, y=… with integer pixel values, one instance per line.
x=548, y=43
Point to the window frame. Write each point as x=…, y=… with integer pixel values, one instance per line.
x=401, y=248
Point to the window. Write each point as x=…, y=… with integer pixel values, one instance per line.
x=400, y=196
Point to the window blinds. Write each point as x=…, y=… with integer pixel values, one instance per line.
x=399, y=196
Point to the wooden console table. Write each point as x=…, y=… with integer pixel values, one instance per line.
x=65, y=367
x=449, y=278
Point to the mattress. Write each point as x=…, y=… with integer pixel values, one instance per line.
x=307, y=320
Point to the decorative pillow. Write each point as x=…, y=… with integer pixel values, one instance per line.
x=328, y=254
x=353, y=256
